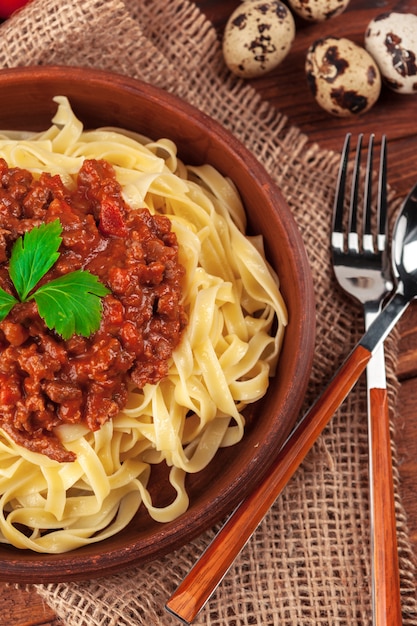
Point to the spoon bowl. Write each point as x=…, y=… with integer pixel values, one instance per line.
x=404, y=249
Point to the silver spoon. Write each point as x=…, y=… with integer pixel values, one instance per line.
x=203, y=578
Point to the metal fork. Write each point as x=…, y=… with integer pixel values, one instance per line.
x=362, y=268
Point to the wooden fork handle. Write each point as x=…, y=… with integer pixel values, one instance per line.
x=386, y=582
x=204, y=577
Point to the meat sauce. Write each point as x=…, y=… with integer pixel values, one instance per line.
x=45, y=380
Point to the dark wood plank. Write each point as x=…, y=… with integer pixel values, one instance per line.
x=24, y=608
x=407, y=361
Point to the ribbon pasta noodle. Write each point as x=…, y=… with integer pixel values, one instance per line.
x=228, y=351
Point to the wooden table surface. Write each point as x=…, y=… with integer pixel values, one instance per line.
x=395, y=115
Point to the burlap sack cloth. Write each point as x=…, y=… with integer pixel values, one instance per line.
x=308, y=563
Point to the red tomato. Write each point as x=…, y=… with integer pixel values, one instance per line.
x=7, y=7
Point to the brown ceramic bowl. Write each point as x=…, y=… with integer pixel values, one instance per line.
x=100, y=98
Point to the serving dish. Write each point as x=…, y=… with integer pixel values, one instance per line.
x=103, y=99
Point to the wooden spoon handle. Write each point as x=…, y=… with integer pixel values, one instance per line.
x=203, y=578
x=386, y=580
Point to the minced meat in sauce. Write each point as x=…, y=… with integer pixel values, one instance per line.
x=45, y=380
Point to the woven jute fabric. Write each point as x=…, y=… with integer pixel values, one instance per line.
x=308, y=562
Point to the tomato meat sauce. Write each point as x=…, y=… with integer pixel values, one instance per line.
x=46, y=381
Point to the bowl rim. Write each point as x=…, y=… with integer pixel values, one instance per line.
x=27, y=567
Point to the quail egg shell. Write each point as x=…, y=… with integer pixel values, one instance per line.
x=391, y=38
x=257, y=37
x=318, y=10
x=343, y=77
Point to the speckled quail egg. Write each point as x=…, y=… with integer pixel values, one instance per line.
x=391, y=38
x=318, y=10
x=257, y=37
x=344, y=78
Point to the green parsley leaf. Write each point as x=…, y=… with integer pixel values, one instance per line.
x=33, y=255
x=71, y=303
x=7, y=302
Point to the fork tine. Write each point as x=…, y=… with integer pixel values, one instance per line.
x=368, y=239
x=340, y=187
x=382, y=209
x=367, y=229
x=338, y=209
x=353, y=240
x=339, y=201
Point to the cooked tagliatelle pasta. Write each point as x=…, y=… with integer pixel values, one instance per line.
x=228, y=350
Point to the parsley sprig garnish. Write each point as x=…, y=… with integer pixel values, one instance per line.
x=69, y=304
